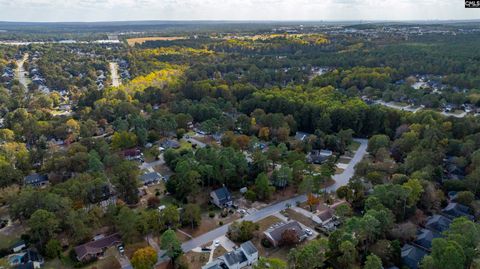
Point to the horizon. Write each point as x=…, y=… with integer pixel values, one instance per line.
x=233, y=10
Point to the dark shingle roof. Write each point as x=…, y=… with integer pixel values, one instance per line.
x=223, y=195
x=97, y=246
x=425, y=237
x=438, y=223
x=35, y=179
x=456, y=210
x=276, y=232
x=412, y=256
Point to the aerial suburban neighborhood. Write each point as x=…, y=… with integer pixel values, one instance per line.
x=238, y=144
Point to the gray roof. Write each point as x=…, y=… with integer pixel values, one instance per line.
x=249, y=248
x=234, y=257
x=150, y=177
x=438, y=223
x=276, y=232
x=425, y=238
x=97, y=246
x=412, y=256
x=223, y=195
x=455, y=210
x=35, y=179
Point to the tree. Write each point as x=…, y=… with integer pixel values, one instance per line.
x=94, y=162
x=169, y=242
x=192, y=215
x=126, y=180
x=373, y=262
x=466, y=234
x=446, y=254
x=349, y=254
x=270, y=263
x=415, y=191
x=124, y=140
x=465, y=197
x=144, y=258
x=312, y=201
x=377, y=142
x=311, y=255
x=242, y=231
x=289, y=238
x=43, y=226
x=262, y=187
x=53, y=248
x=170, y=216
x=125, y=223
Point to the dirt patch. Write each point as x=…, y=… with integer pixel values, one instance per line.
x=344, y=160
x=209, y=224
x=338, y=170
x=140, y=40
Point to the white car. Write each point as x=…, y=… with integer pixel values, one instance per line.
x=216, y=243
x=308, y=232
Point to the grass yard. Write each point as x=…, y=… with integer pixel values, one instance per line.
x=344, y=160
x=131, y=248
x=7, y=240
x=196, y=259
x=184, y=145
x=354, y=146
x=265, y=223
x=292, y=214
x=219, y=251
x=338, y=170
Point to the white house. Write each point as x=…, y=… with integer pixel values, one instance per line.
x=244, y=256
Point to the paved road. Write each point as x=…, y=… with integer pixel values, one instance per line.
x=194, y=141
x=114, y=74
x=21, y=73
x=404, y=108
x=341, y=180
x=260, y=214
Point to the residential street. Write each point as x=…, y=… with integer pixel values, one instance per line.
x=341, y=180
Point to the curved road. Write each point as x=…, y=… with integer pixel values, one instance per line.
x=341, y=180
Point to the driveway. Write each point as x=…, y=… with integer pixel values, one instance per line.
x=147, y=166
x=194, y=141
x=124, y=261
x=340, y=180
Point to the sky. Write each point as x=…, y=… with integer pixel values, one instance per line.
x=316, y=10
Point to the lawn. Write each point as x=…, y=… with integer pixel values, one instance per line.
x=292, y=214
x=131, y=248
x=6, y=241
x=184, y=145
x=344, y=160
x=219, y=251
x=354, y=146
x=196, y=259
x=267, y=222
x=338, y=170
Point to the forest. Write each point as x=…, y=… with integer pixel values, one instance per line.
x=253, y=109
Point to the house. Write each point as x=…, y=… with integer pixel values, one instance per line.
x=301, y=136
x=132, y=154
x=326, y=215
x=438, y=223
x=242, y=257
x=425, y=237
x=221, y=197
x=274, y=233
x=97, y=248
x=412, y=256
x=456, y=210
x=319, y=156
x=20, y=245
x=171, y=144
x=103, y=195
x=36, y=180
x=151, y=178
x=28, y=259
